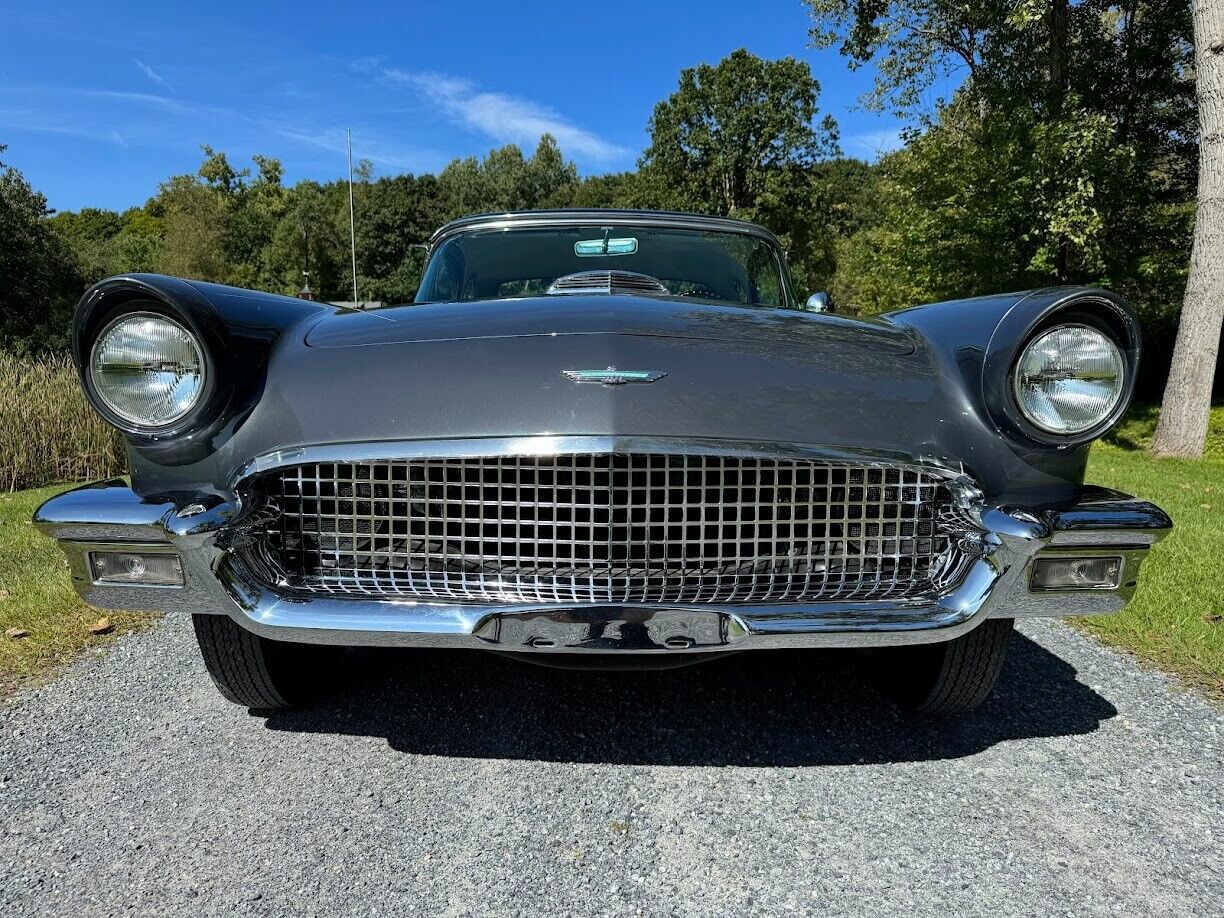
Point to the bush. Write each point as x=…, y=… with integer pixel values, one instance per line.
x=48, y=430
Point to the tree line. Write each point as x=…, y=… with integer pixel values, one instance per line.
x=1069, y=154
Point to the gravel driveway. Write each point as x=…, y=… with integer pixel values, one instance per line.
x=464, y=784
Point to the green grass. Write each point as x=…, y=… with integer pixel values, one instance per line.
x=1137, y=428
x=36, y=595
x=1176, y=619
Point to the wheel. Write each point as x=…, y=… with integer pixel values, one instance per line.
x=258, y=673
x=952, y=677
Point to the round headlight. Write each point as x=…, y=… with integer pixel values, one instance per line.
x=1069, y=379
x=147, y=369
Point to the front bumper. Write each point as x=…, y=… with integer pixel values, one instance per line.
x=110, y=514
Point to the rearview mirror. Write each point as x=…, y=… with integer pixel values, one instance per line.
x=605, y=246
x=819, y=302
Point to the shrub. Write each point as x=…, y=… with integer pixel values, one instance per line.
x=48, y=430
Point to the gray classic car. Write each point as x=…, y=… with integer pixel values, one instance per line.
x=599, y=438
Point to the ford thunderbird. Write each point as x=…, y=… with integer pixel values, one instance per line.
x=603, y=438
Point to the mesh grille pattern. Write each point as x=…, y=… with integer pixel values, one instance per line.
x=607, y=282
x=609, y=528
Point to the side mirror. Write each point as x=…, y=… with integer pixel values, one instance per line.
x=819, y=302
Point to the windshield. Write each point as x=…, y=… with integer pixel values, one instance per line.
x=724, y=267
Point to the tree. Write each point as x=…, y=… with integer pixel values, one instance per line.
x=139, y=243
x=398, y=215
x=194, y=218
x=919, y=41
x=218, y=224
x=311, y=236
x=734, y=135
x=1066, y=156
x=90, y=235
x=105, y=243
x=1182, y=430
x=39, y=283
x=741, y=139
x=505, y=180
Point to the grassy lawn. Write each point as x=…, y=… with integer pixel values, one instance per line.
x=1176, y=619
x=37, y=597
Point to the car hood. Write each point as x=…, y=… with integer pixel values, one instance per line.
x=552, y=316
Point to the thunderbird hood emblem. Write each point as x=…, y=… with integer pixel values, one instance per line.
x=613, y=377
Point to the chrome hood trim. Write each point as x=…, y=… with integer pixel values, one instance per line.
x=548, y=445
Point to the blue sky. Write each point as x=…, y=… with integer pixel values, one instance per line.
x=101, y=101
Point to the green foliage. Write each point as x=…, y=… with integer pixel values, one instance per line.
x=193, y=217
x=104, y=243
x=737, y=139
x=915, y=42
x=219, y=224
x=38, y=277
x=1067, y=156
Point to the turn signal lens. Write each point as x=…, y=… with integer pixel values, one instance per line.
x=147, y=369
x=143, y=568
x=1076, y=573
x=1069, y=379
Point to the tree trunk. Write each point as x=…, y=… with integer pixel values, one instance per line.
x=1182, y=430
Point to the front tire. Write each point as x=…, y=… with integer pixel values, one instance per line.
x=258, y=673
x=953, y=677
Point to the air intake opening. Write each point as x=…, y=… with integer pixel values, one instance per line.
x=607, y=282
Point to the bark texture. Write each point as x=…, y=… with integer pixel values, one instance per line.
x=1184, y=413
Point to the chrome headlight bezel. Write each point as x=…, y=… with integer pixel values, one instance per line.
x=1111, y=400
x=127, y=421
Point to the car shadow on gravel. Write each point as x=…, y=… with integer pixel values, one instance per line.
x=768, y=708
x=764, y=709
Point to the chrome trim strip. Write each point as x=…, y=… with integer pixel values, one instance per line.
x=544, y=218
x=327, y=620
x=548, y=445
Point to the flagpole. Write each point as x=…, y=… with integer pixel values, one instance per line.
x=352, y=218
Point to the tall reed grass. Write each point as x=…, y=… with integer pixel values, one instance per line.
x=48, y=431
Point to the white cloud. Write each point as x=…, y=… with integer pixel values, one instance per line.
x=334, y=140
x=152, y=74
x=19, y=120
x=145, y=98
x=505, y=118
x=874, y=144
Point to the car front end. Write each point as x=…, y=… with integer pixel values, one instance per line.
x=581, y=473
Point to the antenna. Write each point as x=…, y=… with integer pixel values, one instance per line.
x=352, y=218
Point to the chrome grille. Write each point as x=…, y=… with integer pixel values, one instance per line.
x=609, y=528
x=607, y=282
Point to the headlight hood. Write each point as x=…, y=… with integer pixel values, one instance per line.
x=235, y=328
x=980, y=340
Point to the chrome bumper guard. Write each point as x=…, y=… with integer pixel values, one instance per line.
x=110, y=515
